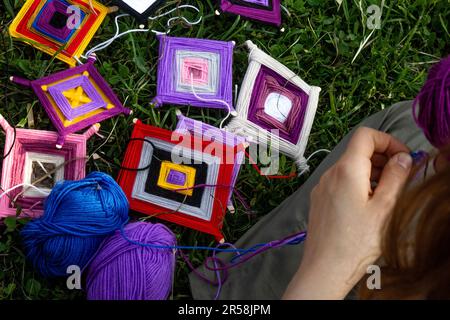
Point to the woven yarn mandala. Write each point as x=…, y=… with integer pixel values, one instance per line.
x=181, y=178
x=195, y=72
x=272, y=97
x=59, y=27
x=35, y=160
x=76, y=98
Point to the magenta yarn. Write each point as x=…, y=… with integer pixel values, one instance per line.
x=433, y=102
x=125, y=271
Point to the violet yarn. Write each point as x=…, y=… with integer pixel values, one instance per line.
x=433, y=102
x=122, y=270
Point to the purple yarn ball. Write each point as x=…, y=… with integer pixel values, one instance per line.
x=433, y=114
x=122, y=270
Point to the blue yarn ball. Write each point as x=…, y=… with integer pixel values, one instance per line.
x=78, y=216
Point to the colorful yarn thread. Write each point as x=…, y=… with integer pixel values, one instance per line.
x=135, y=263
x=431, y=107
x=138, y=263
x=125, y=271
x=78, y=216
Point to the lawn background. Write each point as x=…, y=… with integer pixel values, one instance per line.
x=319, y=43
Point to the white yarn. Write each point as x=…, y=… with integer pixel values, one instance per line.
x=230, y=112
x=117, y=35
x=192, y=23
x=240, y=125
x=303, y=164
x=286, y=10
x=183, y=18
x=78, y=60
x=91, y=5
x=45, y=193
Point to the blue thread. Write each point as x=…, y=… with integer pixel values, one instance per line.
x=78, y=216
x=419, y=156
x=297, y=240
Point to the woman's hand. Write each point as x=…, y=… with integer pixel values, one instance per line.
x=347, y=215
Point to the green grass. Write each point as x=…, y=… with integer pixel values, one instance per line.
x=319, y=44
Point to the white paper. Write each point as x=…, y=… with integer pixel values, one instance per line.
x=140, y=5
x=278, y=106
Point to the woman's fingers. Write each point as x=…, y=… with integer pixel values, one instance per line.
x=375, y=174
x=366, y=142
x=379, y=160
x=367, y=153
x=390, y=162
x=392, y=180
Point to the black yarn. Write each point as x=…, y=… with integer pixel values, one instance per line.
x=111, y=161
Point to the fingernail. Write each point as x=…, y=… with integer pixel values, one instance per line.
x=404, y=160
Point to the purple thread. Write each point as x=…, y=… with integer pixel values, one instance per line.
x=210, y=133
x=244, y=203
x=221, y=272
x=433, y=102
x=221, y=269
x=258, y=249
x=126, y=271
x=122, y=242
x=198, y=274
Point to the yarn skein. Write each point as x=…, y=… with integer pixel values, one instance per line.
x=433, y=114
x=125, y=271
x=78, y=216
